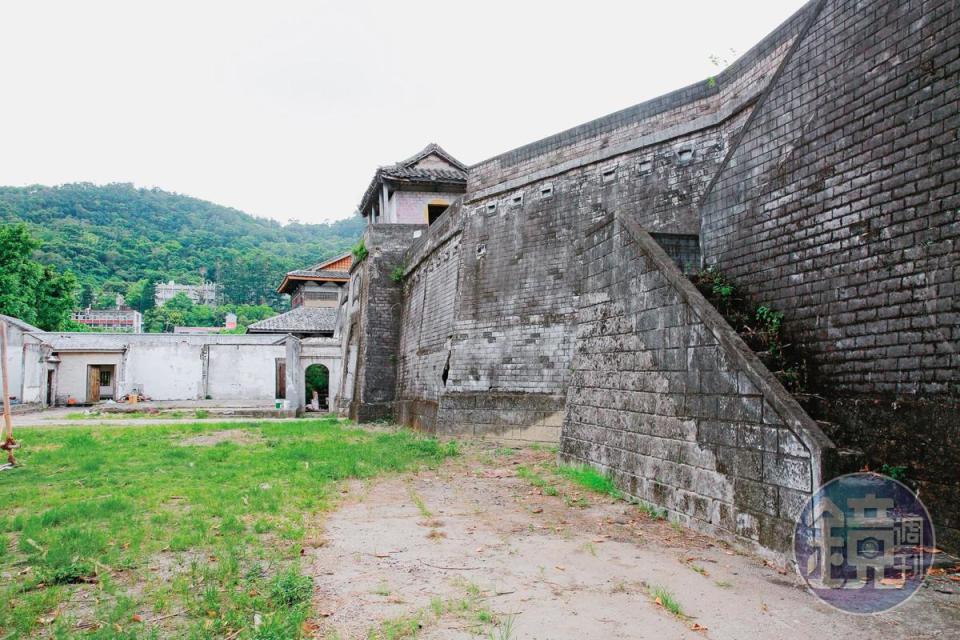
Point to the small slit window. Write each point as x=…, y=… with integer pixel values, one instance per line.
x=491, y=207
x=481, y=250
x=685, y=155
x=608, y=173
x=645, y=167
x=546, y=191
x=516, y=199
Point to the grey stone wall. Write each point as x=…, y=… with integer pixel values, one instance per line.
x=839, y=206
x=375, y=327
x=669, y=400
x=430, y=296
x=819, y=171
x=491, y=292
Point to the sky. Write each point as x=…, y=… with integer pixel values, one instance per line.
x=284, y=109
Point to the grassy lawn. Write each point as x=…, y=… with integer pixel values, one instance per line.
x=166, y=414
x=177, y=530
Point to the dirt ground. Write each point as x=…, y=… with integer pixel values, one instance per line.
x=472, y=550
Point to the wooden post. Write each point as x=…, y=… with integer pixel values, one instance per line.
x=7, y=436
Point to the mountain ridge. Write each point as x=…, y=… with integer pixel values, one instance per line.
x=115, y=235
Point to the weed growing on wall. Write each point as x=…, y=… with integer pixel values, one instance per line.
x=359, y=250
x=761, y=327
x=398, y=273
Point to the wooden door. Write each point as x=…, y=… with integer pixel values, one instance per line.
x=281, y=378
x=93, y=384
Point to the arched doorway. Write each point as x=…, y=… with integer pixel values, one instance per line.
x=316, y=381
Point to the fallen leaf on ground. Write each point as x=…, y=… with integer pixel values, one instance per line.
x=696, y=626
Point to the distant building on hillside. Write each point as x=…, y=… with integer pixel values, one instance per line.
x=207, y=293
x=230, y=322
x=121, y=320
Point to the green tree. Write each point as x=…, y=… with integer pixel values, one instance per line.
x=180, y=311
x=57, y=300
x=36, y=294
x=316, y=378
x=113, y=236
x=19, y=274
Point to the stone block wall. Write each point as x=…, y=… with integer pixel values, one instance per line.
x=668, y=399
x=373, y=331
x=839, y=206
x=491, y=292
x=819, y=172
x=430, y=296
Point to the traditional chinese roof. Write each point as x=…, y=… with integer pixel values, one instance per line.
x=302, y=320
x=446, y=172
x=308, y=275
x=342, y=262
x=336, y=269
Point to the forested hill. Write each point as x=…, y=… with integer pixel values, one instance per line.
x=117, y=238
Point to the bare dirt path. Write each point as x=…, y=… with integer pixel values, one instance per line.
x=472, y=550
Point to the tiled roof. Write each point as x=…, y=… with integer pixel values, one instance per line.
x=310, y=273
x=431, y=149
x=292, y=277
x=299, y=320
x=405, y=171
x=20, y=324
x=342, y=262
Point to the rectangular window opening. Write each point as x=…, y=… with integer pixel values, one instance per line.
x=434, y=211
x=546, y=191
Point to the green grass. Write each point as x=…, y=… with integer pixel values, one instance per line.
x=549, y=478
x=470, y=609
x=146, y=527
x=650, y=510
x=667, y=600
x=590, y=479
x=538, y=481
x=136, y=415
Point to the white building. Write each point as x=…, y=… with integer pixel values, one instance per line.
x=207, y=293
x=128, y=320
x=50, y=369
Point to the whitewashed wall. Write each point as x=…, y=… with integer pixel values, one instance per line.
x=172, y=366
